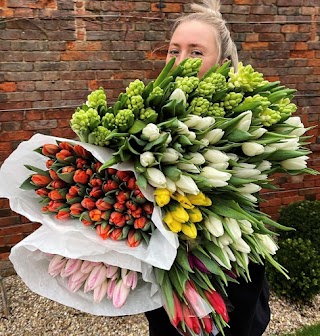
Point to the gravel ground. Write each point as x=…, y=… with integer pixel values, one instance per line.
x=31, y=314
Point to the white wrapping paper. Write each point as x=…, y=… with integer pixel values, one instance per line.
x=163, y=244
x=31, y=263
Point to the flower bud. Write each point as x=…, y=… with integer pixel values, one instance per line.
x=156, y=178
x=214, y=135
x=252, y=148
x=150, y=132
x=297, y=163
x=147, y=159
x=187, y=185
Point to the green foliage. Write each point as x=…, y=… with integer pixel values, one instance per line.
x=301, y=259
x=304, y=217
x=313, y=330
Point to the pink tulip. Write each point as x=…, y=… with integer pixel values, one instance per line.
x=72, y=266
x=112, y=271
x=110, y=288
x=96, y=278
x=100, y=292
x=88, y=265
x=194, y=299
x=56, y=264
x=129, y=278
x=76, y=280
x=120, y=294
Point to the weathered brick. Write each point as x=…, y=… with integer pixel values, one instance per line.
x=166, y=7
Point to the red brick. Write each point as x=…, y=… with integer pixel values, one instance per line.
x=255, y=45
x=302, y=54
x=168, y=8
x=8, y=87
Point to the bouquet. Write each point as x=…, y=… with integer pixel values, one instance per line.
x=206, y=147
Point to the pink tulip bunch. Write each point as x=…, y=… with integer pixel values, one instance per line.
x=108, y=200
x=102, y=279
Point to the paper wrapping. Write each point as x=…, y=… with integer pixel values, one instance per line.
x=30, y=260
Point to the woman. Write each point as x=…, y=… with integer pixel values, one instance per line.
x=203, y=34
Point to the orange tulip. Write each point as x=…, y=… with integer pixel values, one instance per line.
x=50, y=150
x=40, y=180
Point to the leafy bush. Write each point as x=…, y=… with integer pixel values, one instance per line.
x=301, y=259
x=304, y=217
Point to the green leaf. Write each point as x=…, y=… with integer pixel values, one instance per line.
x=163, y=74
x=182, y=259
x=38, y=170
x=161, y=140
x=142, y=182
x=137, y=126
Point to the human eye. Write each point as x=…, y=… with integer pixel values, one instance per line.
x=173, y=52
x=196, y=53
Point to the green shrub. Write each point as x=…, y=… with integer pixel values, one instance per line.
x=301, y=259
x=304, y=216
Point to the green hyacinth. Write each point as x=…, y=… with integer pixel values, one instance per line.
x=187, y=84
x=285, y=108
x=191, y=65
x=269, y=117
x=215, y=110
x=246, y=79
x=148, y=114
x=211, y=84
x=97, y=98
x=263, y=101
x=124, y=119
x=232, y=99
x=135, y=88
x=135, y=102
x=108, y=121
x=99, y=136
x=199, y=106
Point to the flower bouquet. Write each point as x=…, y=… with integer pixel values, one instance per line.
x=201, y=149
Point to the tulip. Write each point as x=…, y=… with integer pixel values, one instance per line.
x=190, y=319
x=72, y=266
x=177, y=311
x=112, y=271
x=88, y=203
x=214, y=136
x=122, y=196
x=188, y=167
x=170, y=155
x=196, y=158
x=217, y=303
x=147, y=208
x=231, y=256
x=205, y=123
x=111, y=284
x=178, y=95
x=224, y=240
x=189, y=229
x=42, y=192
x=96, y=277
x=156, y=178
x=110, y=185
x=50, y=150
x=102, y=205
x=56, y=195
x=214, y=226
x=215, y=177
x=96, y=192
x=76, y=209
x=142, y=223
x=187, y=185
x=58, y=184
x=297, y=163
x=57, y=263
x=191, y=136
x=295, y=127
x=66, y=145
x=55, y=206
x=246, y=170
x=245, y=226
x=207, y=323
x=199, y=199
x=40, y=180
x=249, y=188
x=49, y=163
x=219, y=166
x=215, y=156
x=81, y=176
x=103, y=230
x=264, y=165
x=171, y=186
x=194, y=299
x=179, y=214
x=53, y=174
x=87, y=266
x=241, y=245
x=258, y=132
x=192, y=120
x=286, y=144
x=195, y=262
x=134, y=238
x=173, y=225
x=182, y=128
x=252, y=148
x=195, y=215
x=120, y=294
x=129, y=278
x=183, y=201
x=147, y=159
x=64, y=156
x=150, y=132
x=100, y=292
x=162, y=196
x=245, y=122
x=270, y=246
x=233, y=227
x=82, y=152
x=76, y=280
x=63, y=214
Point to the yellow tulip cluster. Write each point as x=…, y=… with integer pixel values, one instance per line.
x=181, y=211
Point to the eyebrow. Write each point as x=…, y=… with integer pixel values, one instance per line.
x=192, y=45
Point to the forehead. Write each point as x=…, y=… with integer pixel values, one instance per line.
x=194, y=32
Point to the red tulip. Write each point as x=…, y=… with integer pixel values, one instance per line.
x=96, y=192
x=50, y=150
x=142, y=223
x=88, y=203
x=72, y=199
x=111, y=171
x=43, y=192
x=119, y=233
x=66, y=145
x=55, y=206
x=131, y=205
x=122, y=196
x=40, y=180
x=136, y=213
x=177, y=317
x=101, y=204
x=110, y=185
x=81, y=163
x=134, y=238
x=82, y=152
x=96, y=166
x=76, y=209
x=96, y=182
x=74, y=190
x=86, y=222
x=119, y=207
x=148, y=208
x=63, y=214
x=106, y=215
x=95, y=215
x=53, y=175
x=49, y=163
x=190, y=319
x=56, y=195
x=67, y=169
x=207, y=323
x=103, y=230
x=131, y=183
x=81, y=176
x=217, y=303
x=117, y=219
x=58, y=184
x=45, y=209
x=63, y=155
x=124, y=175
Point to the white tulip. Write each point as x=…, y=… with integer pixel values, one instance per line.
x=219, y=166
x=230, y=254
x=205, y=143
x=214, y=135
x=147, y=159
x=234, y=228
x=297, y=163
x=268, y=149
x=250, y=197
x=267, y=243
x=287, y=144
x=214, y=226
x=225, y=240
x=214, y=174
x=156, y=178
x=241, y=246
x=245, y=226
x=258, y=132
x=264, y=165
x=170, y=155
x=196, y=158
x=192, y=120
x=150, y=132
x=298, y=128
x=169, y=138
x=191, y=135
x=249, y=188
x=252, y=148
x=205, y=123
x=245, y=122
x=178, y=95
x=182, y=128
x=187, y=185
x=215, y=156
x=189, y=167
x=245, y=172
x=171, y=186
x=233, y=157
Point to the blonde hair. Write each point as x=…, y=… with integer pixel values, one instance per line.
x=209, y=12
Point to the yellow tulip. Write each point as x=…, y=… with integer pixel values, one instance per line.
x=199, y=199
x=179, y=214
x=195, y=215
x=173, y=225
x=183, y=200
x=190, y=230
x=162, y=196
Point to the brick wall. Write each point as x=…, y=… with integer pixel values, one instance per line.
x=54, y=52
